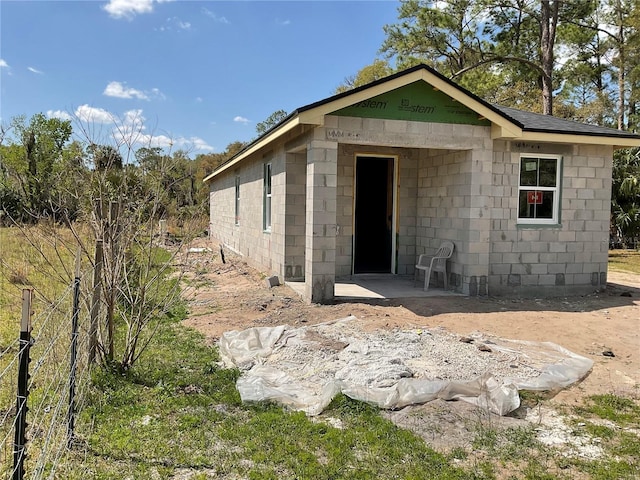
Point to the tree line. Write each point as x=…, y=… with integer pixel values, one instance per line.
x=49, y=172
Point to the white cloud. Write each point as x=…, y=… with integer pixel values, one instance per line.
x=128, y=8
x=35, y=70
x=3, y=64
x=130, y=129
x=119, y=90
x=157, y=93
x=283, y=22
x=240, y=119
x=134, y=118
x=200, y=144
x=215, y=17
x=199, y=99
x=61, y=114
x=91, y=114
x=173, y=23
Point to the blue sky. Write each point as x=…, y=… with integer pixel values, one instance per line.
x=195, y=74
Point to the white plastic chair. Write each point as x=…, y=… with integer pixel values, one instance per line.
x=435, y=263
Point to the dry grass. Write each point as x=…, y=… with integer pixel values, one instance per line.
x=625, y=260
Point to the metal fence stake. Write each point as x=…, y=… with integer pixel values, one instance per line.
x=74, y=352
x=19, y=444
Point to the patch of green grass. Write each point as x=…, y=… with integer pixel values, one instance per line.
x=599, y=431
x=486, y=437
x=623, y=411
x=620, y=442
x=625, y=260
x=609, y=469
x=458, y=453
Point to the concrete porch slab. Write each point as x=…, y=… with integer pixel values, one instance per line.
x=379, y=286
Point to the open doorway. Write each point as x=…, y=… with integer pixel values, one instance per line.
x=374, y=215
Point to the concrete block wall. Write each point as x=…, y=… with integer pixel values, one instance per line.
x=222, y=210
x=295, y=216
x=407, y=210
x=454, y=193
x=442, y=186
x=265, y=250
x=570, y=257
x=344, y=213
x=321, y=226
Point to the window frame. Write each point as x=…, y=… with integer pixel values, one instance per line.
x=555, y=207
x=267, y=188
x=237, y=200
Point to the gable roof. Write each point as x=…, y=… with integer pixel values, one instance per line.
x=507, y=123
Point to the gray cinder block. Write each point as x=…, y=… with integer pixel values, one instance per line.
x=272, y=281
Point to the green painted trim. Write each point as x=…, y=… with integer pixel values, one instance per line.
x=417, y=102
x=560, y=188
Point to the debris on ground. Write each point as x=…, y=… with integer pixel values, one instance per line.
x=304, y=368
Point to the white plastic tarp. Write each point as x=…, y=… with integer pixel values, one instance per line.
x=304, y=368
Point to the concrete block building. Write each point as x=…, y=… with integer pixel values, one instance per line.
x=367, y=180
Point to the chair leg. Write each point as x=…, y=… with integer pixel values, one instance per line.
x=427, y=277
x=446, y=279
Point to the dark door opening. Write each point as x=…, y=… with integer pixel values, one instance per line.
x=373, y=215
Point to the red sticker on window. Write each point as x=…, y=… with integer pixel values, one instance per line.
x=534, y=197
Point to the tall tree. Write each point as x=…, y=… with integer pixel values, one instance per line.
x=32, y=160
x=585, y=72
x=444, y=35
x=367, y=74
x=606, y=45
x=270, y=122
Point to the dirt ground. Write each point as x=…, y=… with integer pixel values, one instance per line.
x=603, y=326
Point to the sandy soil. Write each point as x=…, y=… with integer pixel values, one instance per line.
x=603, y=326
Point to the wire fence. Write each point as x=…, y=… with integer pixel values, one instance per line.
x=38, y=405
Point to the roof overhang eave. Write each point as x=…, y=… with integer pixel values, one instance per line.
x=582, y=139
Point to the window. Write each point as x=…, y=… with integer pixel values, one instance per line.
x=266, y=204
x=237, y=200
x=538, y=190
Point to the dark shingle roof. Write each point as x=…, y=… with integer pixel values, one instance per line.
x=535, y=122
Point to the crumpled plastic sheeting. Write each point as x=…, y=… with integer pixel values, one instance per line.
x=388, y=382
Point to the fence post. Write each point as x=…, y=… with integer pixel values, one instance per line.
x=74, y=352
x=95, y=303
x=19, y=444
x=113, y=233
